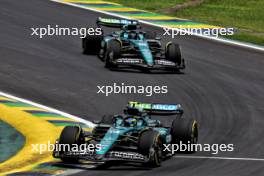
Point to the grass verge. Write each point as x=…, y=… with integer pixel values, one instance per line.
x=151, y=5
x=246, y=16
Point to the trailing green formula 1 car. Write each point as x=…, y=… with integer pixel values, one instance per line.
x=132, y=47
x=131, y=137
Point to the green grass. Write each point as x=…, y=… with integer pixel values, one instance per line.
x=248, y=37
x=245, y=15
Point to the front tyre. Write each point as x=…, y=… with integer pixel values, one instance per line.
x=113, y=52
x=173, y=53
x=70, y=135
x=150, y=144
x=184, y=131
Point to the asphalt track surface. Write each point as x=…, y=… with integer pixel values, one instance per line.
x=222, y=86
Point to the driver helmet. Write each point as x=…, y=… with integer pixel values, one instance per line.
x=130, y=122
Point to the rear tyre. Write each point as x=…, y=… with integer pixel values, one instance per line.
x=91, y=44
x=184, y=131
x=71, y=135
x=173, y=53
x=150, y=145
x=113, y=52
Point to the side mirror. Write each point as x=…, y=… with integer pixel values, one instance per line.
x=157, y=38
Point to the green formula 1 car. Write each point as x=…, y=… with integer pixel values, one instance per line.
x=132, y=47
x=134, y=136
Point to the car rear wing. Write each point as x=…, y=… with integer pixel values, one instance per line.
x=157, y=108
x=115, y=23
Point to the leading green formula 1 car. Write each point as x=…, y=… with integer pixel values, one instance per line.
x=134, y=136
x=132, y=47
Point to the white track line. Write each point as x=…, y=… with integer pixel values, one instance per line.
x=90, y=124
x=227, y=41
x=220, y=158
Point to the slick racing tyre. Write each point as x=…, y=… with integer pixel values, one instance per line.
x=91, y=44
x=150, y=145
x=113, y=52
x=71, y=135
x=173, y=53
x=184, y=131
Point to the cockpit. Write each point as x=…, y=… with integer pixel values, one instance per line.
x=129, y=121
x=132, y=35
x=131, y=32
x=132, y=117
x=135, y=117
